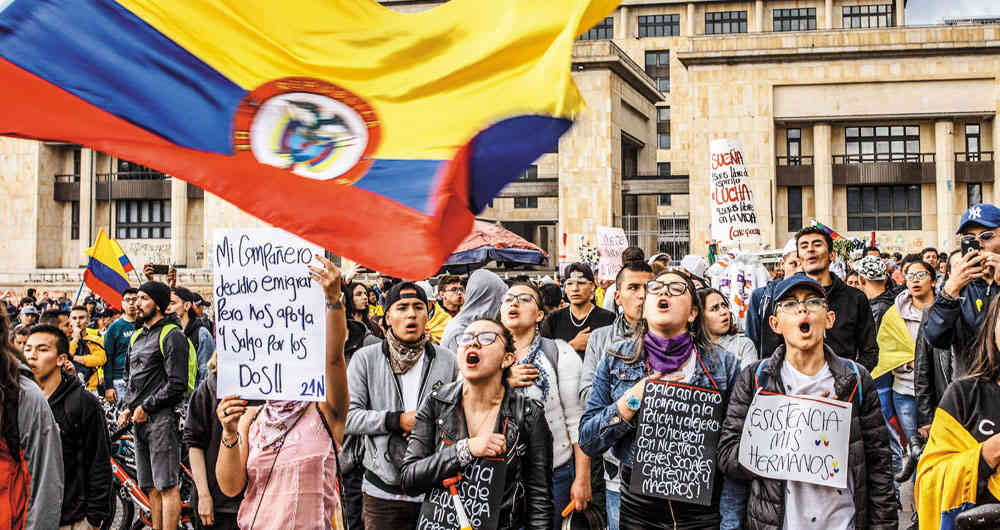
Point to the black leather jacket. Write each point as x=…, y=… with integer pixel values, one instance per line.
x=432, y=457
x=933, y=367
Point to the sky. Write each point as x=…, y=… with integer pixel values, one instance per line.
x=919, y=12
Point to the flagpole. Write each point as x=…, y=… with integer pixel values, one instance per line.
x=78, y=292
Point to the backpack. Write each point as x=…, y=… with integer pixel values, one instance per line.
x=192, y=354
x=760, y=380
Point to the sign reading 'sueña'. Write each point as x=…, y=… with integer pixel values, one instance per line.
x=270, y=324
x=734, y=219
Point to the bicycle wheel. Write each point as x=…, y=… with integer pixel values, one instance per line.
x=122, y=511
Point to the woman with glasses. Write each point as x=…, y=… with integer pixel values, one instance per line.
x=720, y=326
x=669, y=343
x=548, y=371
x=478, y=418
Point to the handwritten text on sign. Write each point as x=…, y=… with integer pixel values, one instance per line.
x=677, y=442
x=611, y=242
x=481, y=491
x=734, y=219
x=798, y=438
x=270, y=315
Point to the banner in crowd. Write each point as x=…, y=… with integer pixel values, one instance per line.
x=270, y=316
x=480, y=493
x=799, y=438
x=676, y=443
x=734, y=218
x=312, y=115
x=611, y=242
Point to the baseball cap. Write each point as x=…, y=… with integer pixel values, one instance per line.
x=655, y=257
x=395, y=294
x=797, y=280
x=871, y=268
x=29, y=310
x=199, y=301
x=579, y=269
x=695, y=264
x=986, y=215
x=789, y=248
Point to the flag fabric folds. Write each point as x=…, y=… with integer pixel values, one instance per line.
x=123, y=258
x=105, y=274
x=833, y=234
x=373, y=133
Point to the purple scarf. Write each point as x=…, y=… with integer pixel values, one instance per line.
x=667, y=355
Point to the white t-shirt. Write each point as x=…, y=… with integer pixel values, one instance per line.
x=810, y=505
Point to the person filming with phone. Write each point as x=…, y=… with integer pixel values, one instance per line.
x=961, y=304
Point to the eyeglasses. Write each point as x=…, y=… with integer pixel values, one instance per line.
x=656, y=287
x=982, y=236
x=813, y=305
x=523, y=298
x=913, y=276
x=455, y=290
x=482, y=339
x=577, y=283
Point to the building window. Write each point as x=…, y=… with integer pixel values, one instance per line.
x=663, y=199
x=794, y=144
x=897, y=143
x=883, y=208
x=529, y=174
x=74, y=220
x=659, y=26
x=525, y=202
x=871, y=16
x=975, y=194
x=663, y=169
x=658, y=67
x=795, y=208
x=77, y=162
x=794, y=19
x=604, y=30
x=132, y=171
x=663, y=127
x=972, y=145
x=146, y=219
x=725, y=22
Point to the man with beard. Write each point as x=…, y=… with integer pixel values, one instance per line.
x=86, y=468
x=116, y=341
x=575, y=323
x=853, y=333
x=182, y=306
x=157, y=380
x=387, y=382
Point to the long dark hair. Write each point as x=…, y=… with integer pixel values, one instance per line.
x=10, y=389
x=349, y=301
x=703, y=294
x=985, y=353
x=696, y=328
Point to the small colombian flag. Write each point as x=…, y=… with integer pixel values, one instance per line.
x=105, y=274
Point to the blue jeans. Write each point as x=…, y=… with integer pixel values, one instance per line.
x=613, y=503
x=906, y=410
x=119, y=386
x=562, y=481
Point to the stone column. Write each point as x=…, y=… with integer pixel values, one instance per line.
x=758, y=9
x=828, y=23
x=690, y=20
x=944, y=158
x=823, y=174
x=87, y=184
x=624, y=24
x=900, y=13
x=178, y=222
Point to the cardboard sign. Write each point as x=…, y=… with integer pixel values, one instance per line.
x=734, y=219
x=481, y=492
x=677, y=441
x=611, y=242
x=800, y=438
x=270, y=315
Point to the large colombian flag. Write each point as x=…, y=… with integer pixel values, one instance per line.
x=106, y=275
x=373, y=133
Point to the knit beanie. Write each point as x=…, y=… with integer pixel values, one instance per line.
x=159, y=292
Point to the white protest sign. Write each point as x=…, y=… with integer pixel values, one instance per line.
x=734, y=219
x=799, y=438
x=611, y=242
x=270, y=316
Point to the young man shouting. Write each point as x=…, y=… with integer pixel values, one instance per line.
x=805, y=366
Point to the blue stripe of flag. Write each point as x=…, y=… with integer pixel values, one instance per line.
x=107, y=275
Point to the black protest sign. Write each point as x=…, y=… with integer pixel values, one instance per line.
x=480, y=490
x=676, y=444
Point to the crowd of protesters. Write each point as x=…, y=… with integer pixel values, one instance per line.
x=426, y=378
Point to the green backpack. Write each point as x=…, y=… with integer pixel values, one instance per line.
x=192, y=354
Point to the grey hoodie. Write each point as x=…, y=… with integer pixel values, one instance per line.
x=43, y=448
x=483, y=296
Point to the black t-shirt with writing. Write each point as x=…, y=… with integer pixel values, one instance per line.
x=561, y=324
x=975, y=403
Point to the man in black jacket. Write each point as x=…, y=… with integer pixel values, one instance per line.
x=804, y=366
x=87, y=470
x=853, y=332
x=157, y=380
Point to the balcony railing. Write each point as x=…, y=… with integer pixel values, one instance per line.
x=795, y=170
x=974, y=167
x=913, y=168
x=67, y=188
